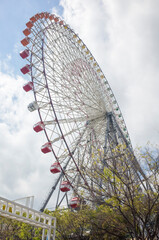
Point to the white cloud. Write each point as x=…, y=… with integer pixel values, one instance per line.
x=5, y=65
x=24, y=169
x=123, y=37
x=56, y=11
x=9, y=57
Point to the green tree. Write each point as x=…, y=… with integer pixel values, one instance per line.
x=15, y=230
x=130, y=201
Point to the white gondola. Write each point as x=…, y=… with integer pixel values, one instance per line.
x=33, y=106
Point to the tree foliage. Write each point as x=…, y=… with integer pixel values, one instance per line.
x=15, y=230
x=130, y=191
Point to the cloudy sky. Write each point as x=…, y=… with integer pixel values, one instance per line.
x=122, y=35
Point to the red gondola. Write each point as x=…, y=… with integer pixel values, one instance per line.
x=55, y=168
x=65, y=186
x=39, y=127
x=25, y=69
x=33, y=19
x=51, y=17
x=24, y=54
x=29, y=24
x=28, y=86
x=41, y=15
x=56, y=19
x=46, y=15
x=61, y=22
x=74, y=203
x=27, y=31
x=37, y=16
x=25, y=41
x=46, y=147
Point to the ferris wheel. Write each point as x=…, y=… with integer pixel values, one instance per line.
x=77, y=109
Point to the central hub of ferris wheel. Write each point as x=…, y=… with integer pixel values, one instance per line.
x=78, y=111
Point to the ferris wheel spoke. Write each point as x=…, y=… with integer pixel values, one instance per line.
x=75, y=93
x=64, y=96
x=65, y=135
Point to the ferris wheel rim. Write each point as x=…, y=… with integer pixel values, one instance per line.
x=102, y=77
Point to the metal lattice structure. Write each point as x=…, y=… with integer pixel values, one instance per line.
x=78, y=111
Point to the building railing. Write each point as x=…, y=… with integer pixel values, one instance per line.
x=30, y=216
